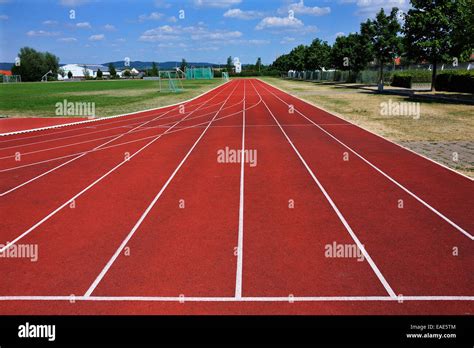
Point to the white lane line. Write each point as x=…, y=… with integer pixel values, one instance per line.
x=129, y=125
x=444, y=217
x=335, y=208
x=177, y=129
x=150, y=206
x=181, y=299
x=54, y=212
x=240, y=242
x=82, y=155
x=111, y=136
x=98, y=119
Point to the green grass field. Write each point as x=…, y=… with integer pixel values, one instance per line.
x=110, y=97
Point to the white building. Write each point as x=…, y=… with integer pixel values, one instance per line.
x=79, y=71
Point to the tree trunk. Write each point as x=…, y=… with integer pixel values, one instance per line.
x=380, y=84
x=433, y=75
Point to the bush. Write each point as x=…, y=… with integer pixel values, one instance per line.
x=455, y=81
x=400, y=80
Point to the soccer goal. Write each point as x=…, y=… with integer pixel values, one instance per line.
x=170, y=81
x=11, y=78
x=225, y=76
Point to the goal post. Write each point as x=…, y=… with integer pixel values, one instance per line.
x=11, y=78
x=170, y=81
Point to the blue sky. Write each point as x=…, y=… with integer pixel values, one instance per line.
x=100, y=31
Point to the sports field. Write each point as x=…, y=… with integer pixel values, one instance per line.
x=242, y=200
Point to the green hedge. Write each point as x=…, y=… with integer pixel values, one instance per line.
x=401, y=81
x=455, y=81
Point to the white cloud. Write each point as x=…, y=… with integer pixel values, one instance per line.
x=109, y=27
x=279, y=22
x=162, y=4
x=368, y=8
x=67, y=39
x=41, y=33
x=172, y=19
x=50, y=22
x=154, y=16
x=3, y=17
x=83, y=25
x=217, y=3
x=73, y=3
x=339, y=34
x=168, y=32
x=98, y=37
x=239, y=14
x=300, y=8
x=287, y=39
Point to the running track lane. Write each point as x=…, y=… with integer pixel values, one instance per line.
x=72, y=178
x=412, y=246
x=323, y=307
x=76, y=243
x=17, y=124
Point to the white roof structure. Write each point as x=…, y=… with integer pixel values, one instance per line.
x=80, y=70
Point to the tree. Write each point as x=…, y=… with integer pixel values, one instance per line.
x=229, y=64
x=438, y=30
x=352, y=52
x=112, y=71
x=154, y=69
x=127, y=73
x=383, y=33
x=99, y=74
x=282, y=63
x=69, y=74
x=183, y=65
x=316, y=55
x=34, y=64
x=258, y=64
x=297, y=58
x=86, y=73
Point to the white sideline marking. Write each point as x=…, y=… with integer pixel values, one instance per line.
x=106, y=117
x=83, y=154
x=150, y=206
x=240, y=242
x=368, y=131
x=106, y=137
x=459, y=228
x=334, y=207
x=241, y=299
x=101, y=130
x=47, y=217
x=177, y=129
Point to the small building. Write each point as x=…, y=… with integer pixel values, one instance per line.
x=80, y=71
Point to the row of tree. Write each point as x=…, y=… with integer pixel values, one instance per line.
x=431, y=31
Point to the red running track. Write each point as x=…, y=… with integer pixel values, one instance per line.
x=155, y=213
x=18, y=124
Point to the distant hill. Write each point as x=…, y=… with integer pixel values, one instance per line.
x=162, y=65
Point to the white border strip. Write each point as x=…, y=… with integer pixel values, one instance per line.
x=290, y=299
x=367, y=130
x=341, y=217
x=106, y=117
x=419, y=199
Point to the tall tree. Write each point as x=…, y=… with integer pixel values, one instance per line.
x=316, y=55
x=352, y=52
x=183, y=65
x=229, y=64
x=438, y=30
x=112, y=71
x=99, y=74
x=282, y=63
x=34, y=64
x=154, y=69
x=297, y=58
x=383, y=33
x=258, y=64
